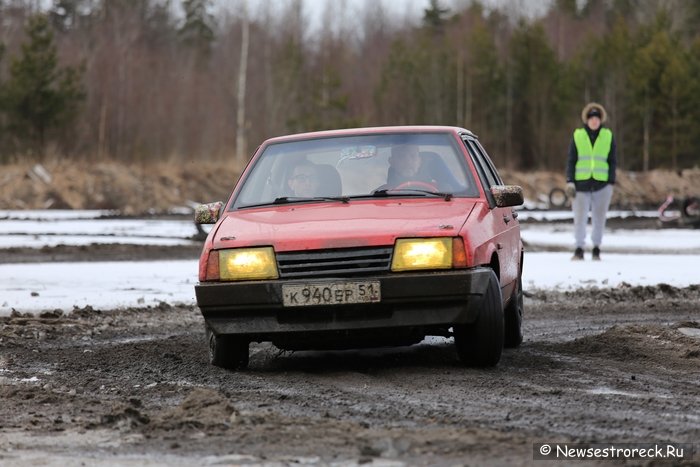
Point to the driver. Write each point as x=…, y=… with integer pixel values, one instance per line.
x=404, y=165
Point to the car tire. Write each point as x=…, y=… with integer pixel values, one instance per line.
x=225, y=351
x=480, y=344
x=690, y=207
x=513, y=318
x=558, y=198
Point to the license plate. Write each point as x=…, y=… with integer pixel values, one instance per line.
x=330, y=293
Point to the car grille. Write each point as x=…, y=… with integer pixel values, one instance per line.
x=344, y=262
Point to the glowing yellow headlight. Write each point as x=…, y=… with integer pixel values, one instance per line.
x=422, y=253
x=247, y=264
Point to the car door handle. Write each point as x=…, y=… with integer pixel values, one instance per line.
x=506, y=219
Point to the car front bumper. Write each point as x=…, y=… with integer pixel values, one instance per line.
x=423, y=299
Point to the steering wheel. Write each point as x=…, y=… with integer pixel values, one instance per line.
x=417, y=184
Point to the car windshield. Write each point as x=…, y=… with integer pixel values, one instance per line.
x=363, y=166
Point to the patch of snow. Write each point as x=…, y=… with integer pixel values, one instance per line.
x=33, y=379
x=55, y=214
x=102, y=285
x=36, y=233
x=40, y=241
x=690, y=332
x=560, y=215
x=124, y=227
x=557, y=271
x=668, y=240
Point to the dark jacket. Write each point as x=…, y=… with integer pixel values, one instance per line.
x=590, y=184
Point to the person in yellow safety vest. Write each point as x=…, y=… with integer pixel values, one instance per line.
x=590, y=176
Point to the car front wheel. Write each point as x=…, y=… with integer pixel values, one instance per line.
x=480, y=343
x=230, y=352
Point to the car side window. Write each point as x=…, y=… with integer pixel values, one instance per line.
x=486, y=175
x=489, y=163
x=484, y=163
x=478, y=163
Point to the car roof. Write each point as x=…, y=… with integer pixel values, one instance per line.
x=372, y=130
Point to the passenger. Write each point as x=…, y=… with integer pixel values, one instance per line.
x=303, y=180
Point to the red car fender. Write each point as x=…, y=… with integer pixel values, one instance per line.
x=479, y=235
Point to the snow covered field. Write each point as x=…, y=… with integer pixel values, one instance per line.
x=671, y=241
x=35, y=229
x=636, y=257
x=102, y=285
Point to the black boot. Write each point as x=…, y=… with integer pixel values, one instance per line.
x=578, y=255
x=596, y=253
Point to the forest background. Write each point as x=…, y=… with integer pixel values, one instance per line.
x=147, y=81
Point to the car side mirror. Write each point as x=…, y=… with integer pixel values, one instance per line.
x=507, y=195
x=208, y=213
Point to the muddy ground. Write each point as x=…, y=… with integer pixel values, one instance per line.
x=134, y=387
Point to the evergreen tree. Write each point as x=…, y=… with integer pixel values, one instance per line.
x=485, y=108
x=326, y=106
x=197, y=31
x=537, y=96
x=601, y=73
x=65, y=14
x=400, y=95
x=39, y=96
x=661, y=82
x=693, y=55
x=434, y=16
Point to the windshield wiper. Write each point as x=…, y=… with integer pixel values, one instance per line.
x=299, y=199
x=401, y=192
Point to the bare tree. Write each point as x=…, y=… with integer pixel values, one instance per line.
x=241, y=149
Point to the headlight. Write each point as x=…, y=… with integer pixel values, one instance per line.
x=247, y=264
x=422, y=253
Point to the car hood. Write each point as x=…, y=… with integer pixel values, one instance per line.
x=337, y=225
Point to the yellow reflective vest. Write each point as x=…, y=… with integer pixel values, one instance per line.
x=592, y=159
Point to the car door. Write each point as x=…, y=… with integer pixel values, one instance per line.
x=506, y=229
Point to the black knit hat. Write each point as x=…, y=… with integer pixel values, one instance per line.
x=594, y=112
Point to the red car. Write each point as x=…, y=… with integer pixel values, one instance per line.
x=364, y=237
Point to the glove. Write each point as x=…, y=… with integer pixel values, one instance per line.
x=570, y=190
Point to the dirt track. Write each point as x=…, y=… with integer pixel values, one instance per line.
x=134, y=387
